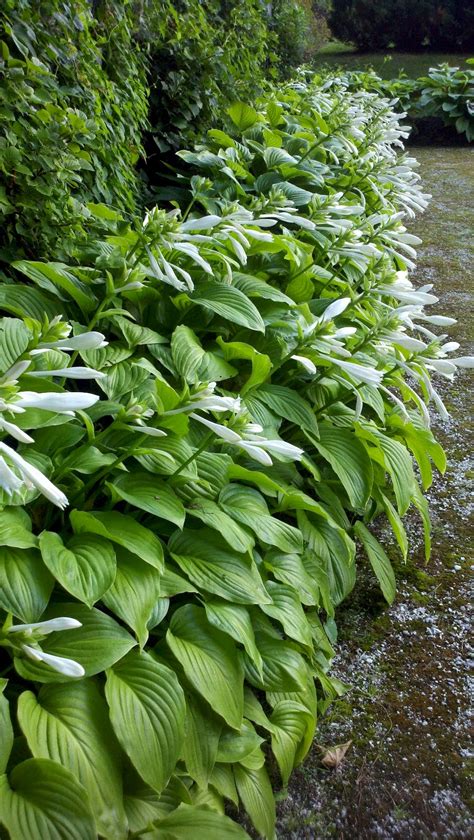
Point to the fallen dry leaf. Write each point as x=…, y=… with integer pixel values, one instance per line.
x=334, y=756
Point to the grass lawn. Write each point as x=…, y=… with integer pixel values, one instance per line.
x=387, y=64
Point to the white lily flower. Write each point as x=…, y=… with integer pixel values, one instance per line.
x=335, y=309
x=32, y=475
x=464, y=361
x=308, y=365
x=68, y=667
x=405, y=341
x=280, y=447
x=221, y=431
x=15, y=432
x=146, y=430
x=13, y=374
x=343, y=332
x=361, y=373
x=441, y=366
x=85, y=341
x=59, y=403
x=436, y=320
x=252, y=429
x=395, y=400
x=255, y=452
x=450, y=347
x=50, y=626
x=71, y=373
x=211, y=403
x=8, y=480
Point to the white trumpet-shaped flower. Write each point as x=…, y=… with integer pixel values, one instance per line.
x=85, y=341
x=406, y=341
x=59, y=403
x=71, y=373
x=15, y=431
x=206, y=400
x=52, y=625
x=68, y=667
x=221, y=431
x=32, y=477
x=308, y=365
x=336, y=308
x=9, y=482
x=255, y=452
x=360, y=373
x=11, y=376
x=464, y=361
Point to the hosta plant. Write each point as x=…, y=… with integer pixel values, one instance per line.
x=180, y=525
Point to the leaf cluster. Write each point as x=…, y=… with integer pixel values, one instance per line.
x=176, y=537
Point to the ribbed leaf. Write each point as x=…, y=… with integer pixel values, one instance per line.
x=43, y=799
x=14, y=339
x=349, y=460
x=85, y=568
x=201, y=739
x=210, y=660
x=145, y=491
x=211, y=565
x=230, y=303
x=123, y=530
x=257, y=798
x=379, y=561
x=70, y=724
x=134, y=594
x=234, y=620
x=25, y=583
x=287, y=403
x=53, y=276
x=190, y=822
x=286, y=608
x=147, y=710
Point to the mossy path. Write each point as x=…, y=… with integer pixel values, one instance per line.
x=407, y=713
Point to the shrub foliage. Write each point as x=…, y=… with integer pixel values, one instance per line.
x=200, y=421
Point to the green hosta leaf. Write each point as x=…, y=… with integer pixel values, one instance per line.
x=275, y=157
x=43, y=799
x=122, y=379
x=187, y=353
x=257, y=798
x=242, y=115
x=201, y=739
x=254, y=287
x=97, y=645
x=123, y=530
x=15, y=529
x=283, y=667
x=134, y=593
x=249, y=507
x=261, y=364
x=423, y=509
x=24, y=301
x=286, y=608
x=147, y=711
x=14, y=339
x=70, y=724
x=210, y=660
x=349, y=460
x=263, y=482
x=398, y=527
x=291, y=722
x=26, y=583
x=190, y=822
x=289, y=568
x=235, y=746
x=85, y=567
x=285, y=402
x=149, y=493
x=333, y=551
x=6, y=728
x=379, y=561
x=234, y=620
x=222, y=779
x=211, y=514
x=53, y=276
x=209, y=562
x=230, y=303
x=396, y=460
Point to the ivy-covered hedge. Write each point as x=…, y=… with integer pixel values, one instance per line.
x=93, y=88
x=199, y=423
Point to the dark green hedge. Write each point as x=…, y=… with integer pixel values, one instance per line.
x=91, y=88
